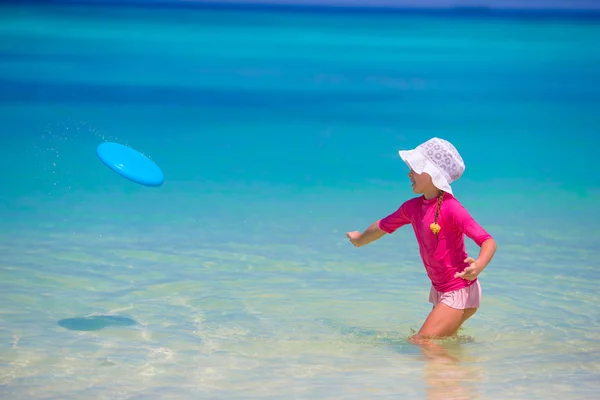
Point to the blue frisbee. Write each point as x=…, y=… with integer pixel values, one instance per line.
x=130, y=164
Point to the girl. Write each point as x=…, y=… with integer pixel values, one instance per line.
x=439, y=222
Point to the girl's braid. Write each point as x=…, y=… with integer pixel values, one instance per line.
x=437, y=214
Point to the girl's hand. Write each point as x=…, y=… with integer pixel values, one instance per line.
x=471, y=271
x=354, y=236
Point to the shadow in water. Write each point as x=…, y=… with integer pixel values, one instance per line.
x=95, y=323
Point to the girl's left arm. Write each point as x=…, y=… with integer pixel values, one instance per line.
x=486, y=253
x=488, y=248
x=463, y=221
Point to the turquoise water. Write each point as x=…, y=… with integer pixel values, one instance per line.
x=277, y=133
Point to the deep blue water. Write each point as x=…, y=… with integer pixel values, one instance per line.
x=277, y=133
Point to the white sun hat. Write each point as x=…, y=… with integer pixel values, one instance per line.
x=439, y=159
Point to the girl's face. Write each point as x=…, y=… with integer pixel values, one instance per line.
x=421, y=183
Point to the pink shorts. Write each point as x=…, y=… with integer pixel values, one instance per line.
x=469, y=297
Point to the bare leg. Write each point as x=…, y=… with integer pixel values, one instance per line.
x=442, y=322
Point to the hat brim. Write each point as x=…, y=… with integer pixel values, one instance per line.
x=420, y=164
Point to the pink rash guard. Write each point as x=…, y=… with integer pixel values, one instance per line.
x=447, y=258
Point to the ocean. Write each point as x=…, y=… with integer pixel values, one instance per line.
x=277, y=133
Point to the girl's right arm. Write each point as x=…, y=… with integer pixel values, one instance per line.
x=389, y=224
x=371, y=234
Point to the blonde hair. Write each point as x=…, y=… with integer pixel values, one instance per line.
x=439, y=205
x=435, y=228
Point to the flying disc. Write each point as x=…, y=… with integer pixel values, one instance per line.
x=130, y=164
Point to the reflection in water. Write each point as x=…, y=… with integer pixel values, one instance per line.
x=449, y=372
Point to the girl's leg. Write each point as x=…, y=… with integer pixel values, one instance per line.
x=444, y=321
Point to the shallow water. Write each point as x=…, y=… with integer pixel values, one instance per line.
x=278, y=133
